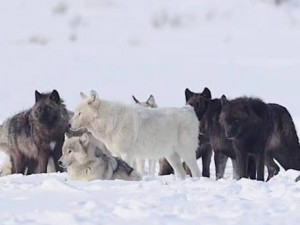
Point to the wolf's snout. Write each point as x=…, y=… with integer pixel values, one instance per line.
x=60, y=163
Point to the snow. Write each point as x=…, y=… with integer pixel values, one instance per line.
x=144, y=47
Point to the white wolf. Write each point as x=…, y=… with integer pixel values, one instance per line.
x=140, y=163
x=140, y=132
x=86, y=159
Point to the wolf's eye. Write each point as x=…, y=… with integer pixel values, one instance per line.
x=70, y=150
x=79, y=114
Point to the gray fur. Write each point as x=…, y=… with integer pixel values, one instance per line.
x=27, y=136
x=86, y=158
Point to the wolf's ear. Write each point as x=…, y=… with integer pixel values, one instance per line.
x=135, y=100
x=38, y=96
x=188, y=94
x=151, y=101
x=224, y=100
x=206, y=93
x=84, y=139
x=94, y=99
x=82, y=95
x=55, y=96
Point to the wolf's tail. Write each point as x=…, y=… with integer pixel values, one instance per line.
x=289, y=155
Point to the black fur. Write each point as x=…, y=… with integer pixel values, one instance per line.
x=31, y=132
x=212, y=129
x=271, y=127
x=284, y=142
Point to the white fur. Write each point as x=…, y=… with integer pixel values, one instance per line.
x=140, y=132
x=52, y=145
x=140, y=163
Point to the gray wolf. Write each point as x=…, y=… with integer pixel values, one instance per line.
x=29, y=138
x=139, y=132
x=204, y=150
x=140, y=163
x=86, y=159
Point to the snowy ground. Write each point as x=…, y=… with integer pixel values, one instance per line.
x=120, y=48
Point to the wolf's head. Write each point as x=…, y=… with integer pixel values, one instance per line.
x=199, y=101
x=234, y=116
x=150, y=103
x=47, y=109
x=75, y=151
x=86, y=111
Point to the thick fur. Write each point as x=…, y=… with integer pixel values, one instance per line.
x=247, y=122
x=140, y=163
x=212, y=129
x=258, y=129
x=204, y=150
x=284, y=142
x=139, y=132
x=32, y=136
x=87, y=159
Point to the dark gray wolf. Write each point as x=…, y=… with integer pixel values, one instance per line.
x=263, y=132
x=34, y=135
x=86, y=158
x=211, y=128
x=204, y=150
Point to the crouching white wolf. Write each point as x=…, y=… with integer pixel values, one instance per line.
x=139, y=132
x=87, y=159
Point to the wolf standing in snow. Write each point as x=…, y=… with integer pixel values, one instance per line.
x=204, y=150
x=150, y=103
x=139, y=132
x=32, y=136
x=256, y=128
x=87, y=158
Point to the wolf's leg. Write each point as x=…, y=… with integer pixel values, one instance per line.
x=175, y=163
x=220, y=164
x=191, y=162
x=260, y=166
x=251, y=168
x=152, y=167
x=17, y=161
x=273, y=168
x=42, y=162
x=140, y=166
x=242, y=160
x=206, y=160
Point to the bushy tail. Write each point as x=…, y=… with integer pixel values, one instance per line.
x=289, y=156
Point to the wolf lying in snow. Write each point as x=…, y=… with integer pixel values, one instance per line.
x=86, y=158
x=139, y=132
x=140, y=163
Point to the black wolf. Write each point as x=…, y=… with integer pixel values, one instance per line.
x=211, y=128
x=204, y=150
x=263, y=132
x=32, y=136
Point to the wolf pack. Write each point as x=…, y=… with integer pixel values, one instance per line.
x=110, y=140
